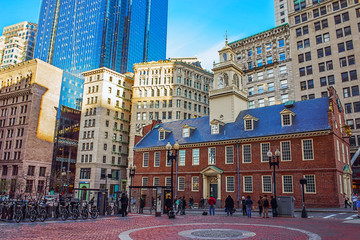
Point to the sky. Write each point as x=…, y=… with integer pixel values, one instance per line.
x=195, y=27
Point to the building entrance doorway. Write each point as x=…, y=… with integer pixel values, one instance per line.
x=214, y=190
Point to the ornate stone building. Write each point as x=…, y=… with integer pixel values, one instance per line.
x=104, y=131
x=168, y=91
x=265, y=61
x=29, y=96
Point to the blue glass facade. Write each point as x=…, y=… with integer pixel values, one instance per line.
x=79, y=35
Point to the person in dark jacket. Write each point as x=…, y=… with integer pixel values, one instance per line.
x=142, y=205
x=243, y=206
x=183, y=206
x=249, y=204
x=124, y=204
x=274, y=206
x=260, y=204
x=229, y=205
x=168, y=204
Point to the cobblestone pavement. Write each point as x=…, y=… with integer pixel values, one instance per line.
x=184, y=227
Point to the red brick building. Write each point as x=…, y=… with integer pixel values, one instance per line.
x=224, y=159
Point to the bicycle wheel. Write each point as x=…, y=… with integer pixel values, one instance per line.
x=33, y=215
x=64, y=214
x=84, y=214
x=42, y=215
x=94, y=213
x=75, y=214
x=109, y=210
x=18, y=215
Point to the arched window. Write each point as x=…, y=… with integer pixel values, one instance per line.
x=158, y=92
x=195, y=96
x=145, y=93
x=165, y=92
x=152, y=92
x=225, y=57
x=190, y=94
x=178, y=92
x=185, y=93
x=236, y=80
x=140, y=93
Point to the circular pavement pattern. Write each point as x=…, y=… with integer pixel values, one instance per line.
x=216, y=234
x=226, y=230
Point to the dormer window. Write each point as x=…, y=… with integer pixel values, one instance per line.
x=215, y=129
x=163, y=133
x=287, y=117
x=249, y=122
x=187, y=130
x=217, y=125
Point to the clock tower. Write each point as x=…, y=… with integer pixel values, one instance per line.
x=228, y=95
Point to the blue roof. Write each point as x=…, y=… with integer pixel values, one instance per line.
x=311, y=115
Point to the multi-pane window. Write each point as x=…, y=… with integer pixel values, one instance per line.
x=157, y=159
x=212, y=156
x=195, y=156
x=195, y=184
x=156, y=181
x=287, y=184
x=230, y=184
x=248, y=184
x=145, y=159
x=307, y=149
x=144, y=181
x=85, y=173
x=229, y=151
x=182, y=157
x=286, y=151
x=265, y=147
x=167, y=181
x=248, y=124
x=246, y=149
x=310, y=186
x=266, y=184
x=181, y=184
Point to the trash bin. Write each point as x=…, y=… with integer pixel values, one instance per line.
x=285, y=206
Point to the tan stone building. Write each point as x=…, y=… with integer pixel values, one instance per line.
x=168, y=90
x=29, y=96
x=325, y=42
x=265, y=61
x=104, y=131
x=281, y=12
x=18, y=43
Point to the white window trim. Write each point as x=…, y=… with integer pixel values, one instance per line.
x=261, y=151
x=179, y=184
x=282, y=120
x=154, y=181
x=192, y=184
x=155, y=159
x=164, y=135
x=192, y=160
x=283, y=184
x=252, y=184
x=217, y=129
x=184, y=158
x=209, y=156
x=142, y=181
x=243, y=158
x=341, y=184
x=143, y=161
x=281, y=158
x=227, y=177
x=167, y=180
x=262, y=183
x=252, y=125
x=314, y=184
x=312, y=147
x=226, y=154
x=188, y=132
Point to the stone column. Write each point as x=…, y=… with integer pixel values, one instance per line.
x=219, y=186
x=205, y=187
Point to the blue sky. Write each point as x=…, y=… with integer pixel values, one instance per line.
x=195, y=27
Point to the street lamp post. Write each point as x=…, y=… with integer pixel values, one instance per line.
x=274, y=163
x=303, y=181
x=131, y=175
x=172, y=157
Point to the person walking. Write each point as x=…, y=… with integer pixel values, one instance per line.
x=212, y=202
x=168, y=204
x=133, y=203
x=260, y=204
x=124, y=204
x=266, y=205
x=354, y=199
x=183, y=206
x=179, y=205
x=248, y=203
x=243, y=206
x=191, y=202
x=142, y=205
x=274, y=206
x=229, y=205
x=202, y=203
x=346, y=198
x=358, y=207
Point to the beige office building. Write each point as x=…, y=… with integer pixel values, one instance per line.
x=325, y=44
x=265, y=61
x=281, y=12
x=18, y=43
x=104, y=131
x=29, y=97
x=168, y=91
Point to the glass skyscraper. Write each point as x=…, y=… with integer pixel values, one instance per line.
x=81, y=35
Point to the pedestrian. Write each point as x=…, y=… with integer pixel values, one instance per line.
x=266, y=205
x=191, y=202
x=212, y=202
x=142, y=205
x=243, y=206
x=260, y=204
x=354, y=199
x=248, y=203
x=274, y=206
x=124, y=204
x=179, y=205
x=133, y=203
x=183, y=206
x=358, y=207
x=346, y=198
x=168, y=205
x=202, y=203
x=229, y=205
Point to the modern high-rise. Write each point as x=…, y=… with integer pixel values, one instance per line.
x=104, y=131
x=170, y=90
x=17, y=43
x=79, y=36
